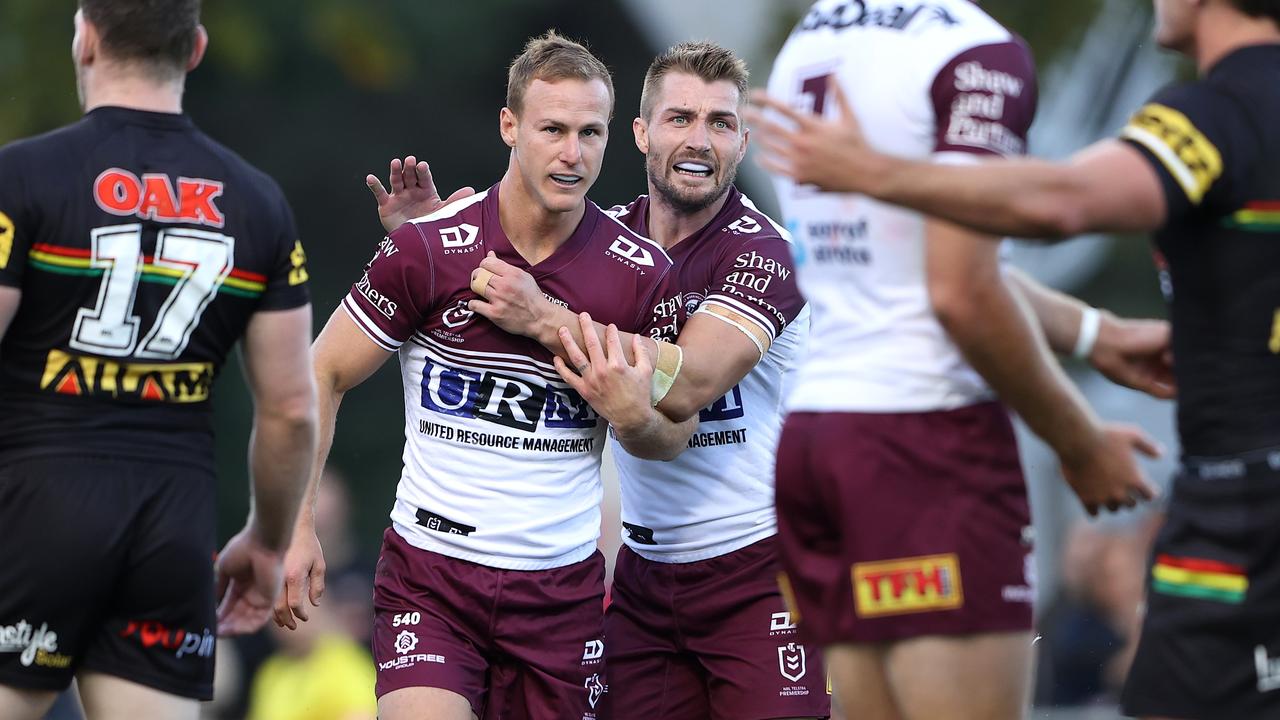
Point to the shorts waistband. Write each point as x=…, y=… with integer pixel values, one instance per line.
x=1228, y=467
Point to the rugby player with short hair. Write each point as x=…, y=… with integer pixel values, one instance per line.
x=903, y=515
x=1197, y=167
x=135, y=252
x=697, y=627
x=489, y=590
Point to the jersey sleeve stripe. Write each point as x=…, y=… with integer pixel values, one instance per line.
x=745, y=309
x=1195, y=163
x=366, y=325
x=748, y=327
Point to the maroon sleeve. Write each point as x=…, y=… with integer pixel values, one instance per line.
x=397, y=290
x=754, y=285
x=984, y=100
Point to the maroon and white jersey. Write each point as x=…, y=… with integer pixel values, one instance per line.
x=717, y=496
x=935, y=80
x=501, y=457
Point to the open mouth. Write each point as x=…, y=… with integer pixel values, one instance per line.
x=692, y=169
x=566, y=181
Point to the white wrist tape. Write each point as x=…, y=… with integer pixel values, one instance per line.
x=1090, y=322
x=665, y=370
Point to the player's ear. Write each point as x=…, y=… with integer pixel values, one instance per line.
x=507, y=123
x=84, y=45
x=198, y=47
x=641, y=130
x=746, y=138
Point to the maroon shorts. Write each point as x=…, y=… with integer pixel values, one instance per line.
x=898, y=525
x=516, y=644
x=708, y=639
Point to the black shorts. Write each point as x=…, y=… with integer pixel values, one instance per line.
x=1210, y=645
x=106, y=565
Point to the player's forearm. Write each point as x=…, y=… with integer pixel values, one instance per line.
x=997, y=336
x=1025, y=198
x=706, y=374
x=282, y=449
x=1057, y=312
x=328, y=400
x=547, y=334
x=657, y=437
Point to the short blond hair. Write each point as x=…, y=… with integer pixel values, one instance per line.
x=552, y=57
x=704, y=59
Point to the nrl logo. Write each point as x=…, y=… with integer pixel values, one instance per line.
x=791, y=661
x=595, y=688
x=457, y=316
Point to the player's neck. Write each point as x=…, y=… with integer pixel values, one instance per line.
x=1224, y=30
x=534, y=231
x=668, y=225
x=131, y=90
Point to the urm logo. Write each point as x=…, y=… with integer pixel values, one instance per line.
x=502, y=400
x=727, y=407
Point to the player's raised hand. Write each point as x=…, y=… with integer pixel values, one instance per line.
x=1136, y=354
x=832, y=154
x=248, y=579
x=511, y=298
x=618, y=390
x=1105, y=473
x=304, y=571
x=413, y=192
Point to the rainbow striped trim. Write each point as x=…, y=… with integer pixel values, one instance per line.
x=1199, y=578
x=1257, y=216
x=76, y=261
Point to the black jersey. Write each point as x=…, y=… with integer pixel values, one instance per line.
x=1215, y=144
x=141, y=248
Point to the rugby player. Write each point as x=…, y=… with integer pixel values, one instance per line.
x=135, y=251
x=903, y=517
x=489, y=590
x=697, y=627
x=1196, y=166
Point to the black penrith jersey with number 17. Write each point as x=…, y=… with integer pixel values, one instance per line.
x=1215, y=143
x=141, y=248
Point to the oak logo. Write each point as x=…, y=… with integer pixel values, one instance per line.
x=153, y=197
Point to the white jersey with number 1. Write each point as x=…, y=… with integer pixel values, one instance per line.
x=936, y=80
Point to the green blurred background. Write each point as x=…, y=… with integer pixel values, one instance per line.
x=320, y=92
